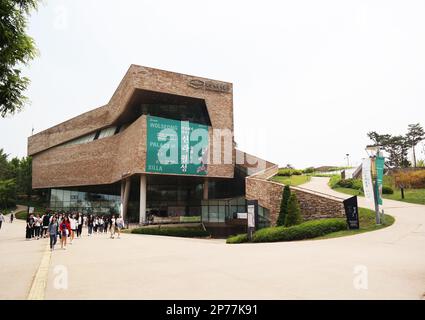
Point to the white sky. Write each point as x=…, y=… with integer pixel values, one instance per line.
x=310, y=77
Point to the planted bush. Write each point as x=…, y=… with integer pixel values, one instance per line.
x=293, y=216
x=286, y=194
x=333, y=181
x=173, y=232
x=350, y=183
x=309, y=170
x=286, y=172
x=306, y=230
x=240, y=238
x=387, y=190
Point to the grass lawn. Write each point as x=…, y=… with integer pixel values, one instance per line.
x=367, y=223
x=410, y=195
x=293, y=180
x=21, y=215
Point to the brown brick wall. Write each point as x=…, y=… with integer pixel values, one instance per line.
x=103, y=161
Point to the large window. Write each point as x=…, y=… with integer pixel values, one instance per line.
x=84, y=202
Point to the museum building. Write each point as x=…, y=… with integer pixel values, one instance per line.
x=161, y=150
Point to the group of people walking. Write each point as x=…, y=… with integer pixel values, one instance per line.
x=67, y=226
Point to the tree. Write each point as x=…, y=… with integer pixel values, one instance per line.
x=7, y=193
x=294, y=213
x=397, y=148
x=24, y=176
x=415, y=134
x=16, y=49
x=379, y=139
x=286, y=193
x=6, y=171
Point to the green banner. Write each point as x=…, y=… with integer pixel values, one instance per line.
x=379, y=164
x=174, y=146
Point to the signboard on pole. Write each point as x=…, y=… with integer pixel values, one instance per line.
x=379, y=165
x=352, y=212
x=367, y=180
x=31, y=210
x=174, y=146
x=252, y=216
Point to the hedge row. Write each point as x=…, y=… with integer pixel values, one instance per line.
x=286, y=172
x=173, y=232
x=306, y=230
x=355, y=184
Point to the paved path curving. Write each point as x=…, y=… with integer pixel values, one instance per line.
x=153, y=267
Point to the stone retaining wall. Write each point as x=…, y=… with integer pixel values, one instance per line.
x=313, y=205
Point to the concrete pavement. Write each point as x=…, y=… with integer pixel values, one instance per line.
x=389, y=262
x=19, y=259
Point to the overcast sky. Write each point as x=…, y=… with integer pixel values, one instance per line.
x=310, y=78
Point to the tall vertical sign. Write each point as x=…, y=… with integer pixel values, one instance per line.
x=367, y=180
x=379, y=165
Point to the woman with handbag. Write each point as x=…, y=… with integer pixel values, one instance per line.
x=65, y=230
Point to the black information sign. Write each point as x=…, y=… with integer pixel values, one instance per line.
x=352, y=212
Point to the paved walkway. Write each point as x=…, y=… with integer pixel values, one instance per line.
x=153, y=267
x=19, y=259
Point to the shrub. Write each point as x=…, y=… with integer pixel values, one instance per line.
x=350, y=183
x=387, y=190
x=333, y=181
x=286, y=193
x=287, y=172
x=309, y=170
x=297, y=172
x=306, y=230
x=240, y=238
x=293, y=216
x=173, y=232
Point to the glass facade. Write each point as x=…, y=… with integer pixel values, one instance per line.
x=174, y=199
x=85, y=202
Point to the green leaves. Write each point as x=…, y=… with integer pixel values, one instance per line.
x=16, y=49
x=283, y=206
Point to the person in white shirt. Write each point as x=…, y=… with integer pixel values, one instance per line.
x=1, y=219
x=73, y=224
x=80, y=224
x=37, y=226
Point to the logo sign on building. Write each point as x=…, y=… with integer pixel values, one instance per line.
x=209, y=85
x=352, y=212
x=379, y=164
x=367, y=180
x=178, y=147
